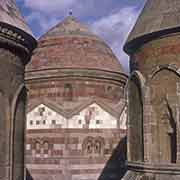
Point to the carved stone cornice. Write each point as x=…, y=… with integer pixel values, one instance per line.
x=47, y=74
x=13, y=37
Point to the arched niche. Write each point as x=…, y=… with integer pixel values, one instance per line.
x=37, y=147
x=18, y=130
x=88, y=145
x=46, y=147
x=164, y=100
x=135, y=107
x=99, y=144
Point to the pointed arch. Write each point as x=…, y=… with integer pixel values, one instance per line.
x=164, y=82
x=171, y=67
x=135, y=108
x=140, y=80
x=17, y=131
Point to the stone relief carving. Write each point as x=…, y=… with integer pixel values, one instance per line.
x=93, y=146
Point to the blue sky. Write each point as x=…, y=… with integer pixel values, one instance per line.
x=110, y=19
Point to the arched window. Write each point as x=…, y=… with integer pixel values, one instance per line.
x=68, y=92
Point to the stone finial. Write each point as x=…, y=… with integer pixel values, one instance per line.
x=70, y=13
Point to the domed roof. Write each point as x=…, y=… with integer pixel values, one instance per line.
x=10, y=14
x=71, y=45
x=157, y=16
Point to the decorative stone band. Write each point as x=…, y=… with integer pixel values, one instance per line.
x=17, y=38
x=118, y=78
x=173, y=169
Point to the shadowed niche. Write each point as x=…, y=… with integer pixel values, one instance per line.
x=116, y=168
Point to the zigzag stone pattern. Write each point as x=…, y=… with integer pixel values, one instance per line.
x=94, y=116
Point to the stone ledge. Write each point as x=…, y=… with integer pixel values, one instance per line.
x=156, y=168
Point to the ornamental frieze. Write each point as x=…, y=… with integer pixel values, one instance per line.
x=11, y=33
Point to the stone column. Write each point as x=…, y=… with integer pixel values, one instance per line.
x=15, y=50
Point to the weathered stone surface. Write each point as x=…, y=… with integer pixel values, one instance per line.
x=16, y=46
x=156, y=16
x=12, y=114
x=154, y=93
x=70, y=158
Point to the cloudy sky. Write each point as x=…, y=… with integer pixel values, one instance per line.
x=110, y=19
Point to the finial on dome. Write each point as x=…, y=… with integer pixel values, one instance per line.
x=70, y=13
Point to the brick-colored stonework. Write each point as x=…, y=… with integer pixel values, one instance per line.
x=68, y=152
x=76, y=114
x=73, y=48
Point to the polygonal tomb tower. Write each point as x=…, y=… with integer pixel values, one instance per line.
x=16, y=45
x=76, y=105
x=154, y=93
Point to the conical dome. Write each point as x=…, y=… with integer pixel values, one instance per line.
x=71, y=45
x=10, y=14
x=70, y=26
x=158, y=16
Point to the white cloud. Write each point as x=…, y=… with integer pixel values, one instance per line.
x=47, y=6
x=115, y=29
x=44, y=22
